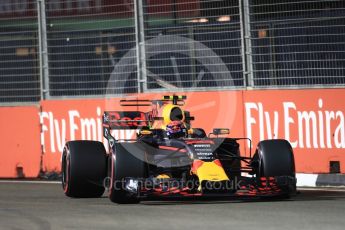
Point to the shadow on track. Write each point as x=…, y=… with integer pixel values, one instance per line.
x=302, y=195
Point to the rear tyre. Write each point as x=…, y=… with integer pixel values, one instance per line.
x=83, y=168
x=123, y=164
x=275, y=159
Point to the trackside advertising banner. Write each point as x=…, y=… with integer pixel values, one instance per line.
x=20, y=154
x=312, y=120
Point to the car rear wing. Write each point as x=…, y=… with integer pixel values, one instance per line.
x=125, y=120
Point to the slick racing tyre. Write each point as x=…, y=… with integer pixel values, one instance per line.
x=83, y=168
x=123, y=164
x=275, y=159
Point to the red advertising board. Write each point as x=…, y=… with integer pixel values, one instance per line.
x=312, y=120
x=20, y=154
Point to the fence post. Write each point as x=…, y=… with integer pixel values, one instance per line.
x=140, y=45
x=247, y=61
x=43, y=49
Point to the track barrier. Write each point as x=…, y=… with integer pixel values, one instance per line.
x=312, y=120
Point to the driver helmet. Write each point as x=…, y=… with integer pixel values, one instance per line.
x=176, y=129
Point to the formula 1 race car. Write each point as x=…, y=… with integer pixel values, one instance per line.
x=169, y=158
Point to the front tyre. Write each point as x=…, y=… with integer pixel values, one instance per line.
x=123, y=164
x=275, y=159
x=83, y=168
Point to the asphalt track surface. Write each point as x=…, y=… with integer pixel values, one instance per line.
x=44, y=206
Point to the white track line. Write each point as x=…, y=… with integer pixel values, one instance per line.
x=330, y=189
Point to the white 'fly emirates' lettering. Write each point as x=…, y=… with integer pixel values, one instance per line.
x=314, y=128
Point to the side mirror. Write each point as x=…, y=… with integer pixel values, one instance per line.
x=220, y=131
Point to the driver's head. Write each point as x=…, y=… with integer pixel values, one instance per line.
x=176, y=129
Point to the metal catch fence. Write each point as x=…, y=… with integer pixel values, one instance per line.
x=97, y=48
x=297, y=43
x=19, y=52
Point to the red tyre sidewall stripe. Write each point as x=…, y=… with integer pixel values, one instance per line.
x=67, y=171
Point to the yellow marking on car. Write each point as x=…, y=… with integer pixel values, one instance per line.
x=210, y=171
